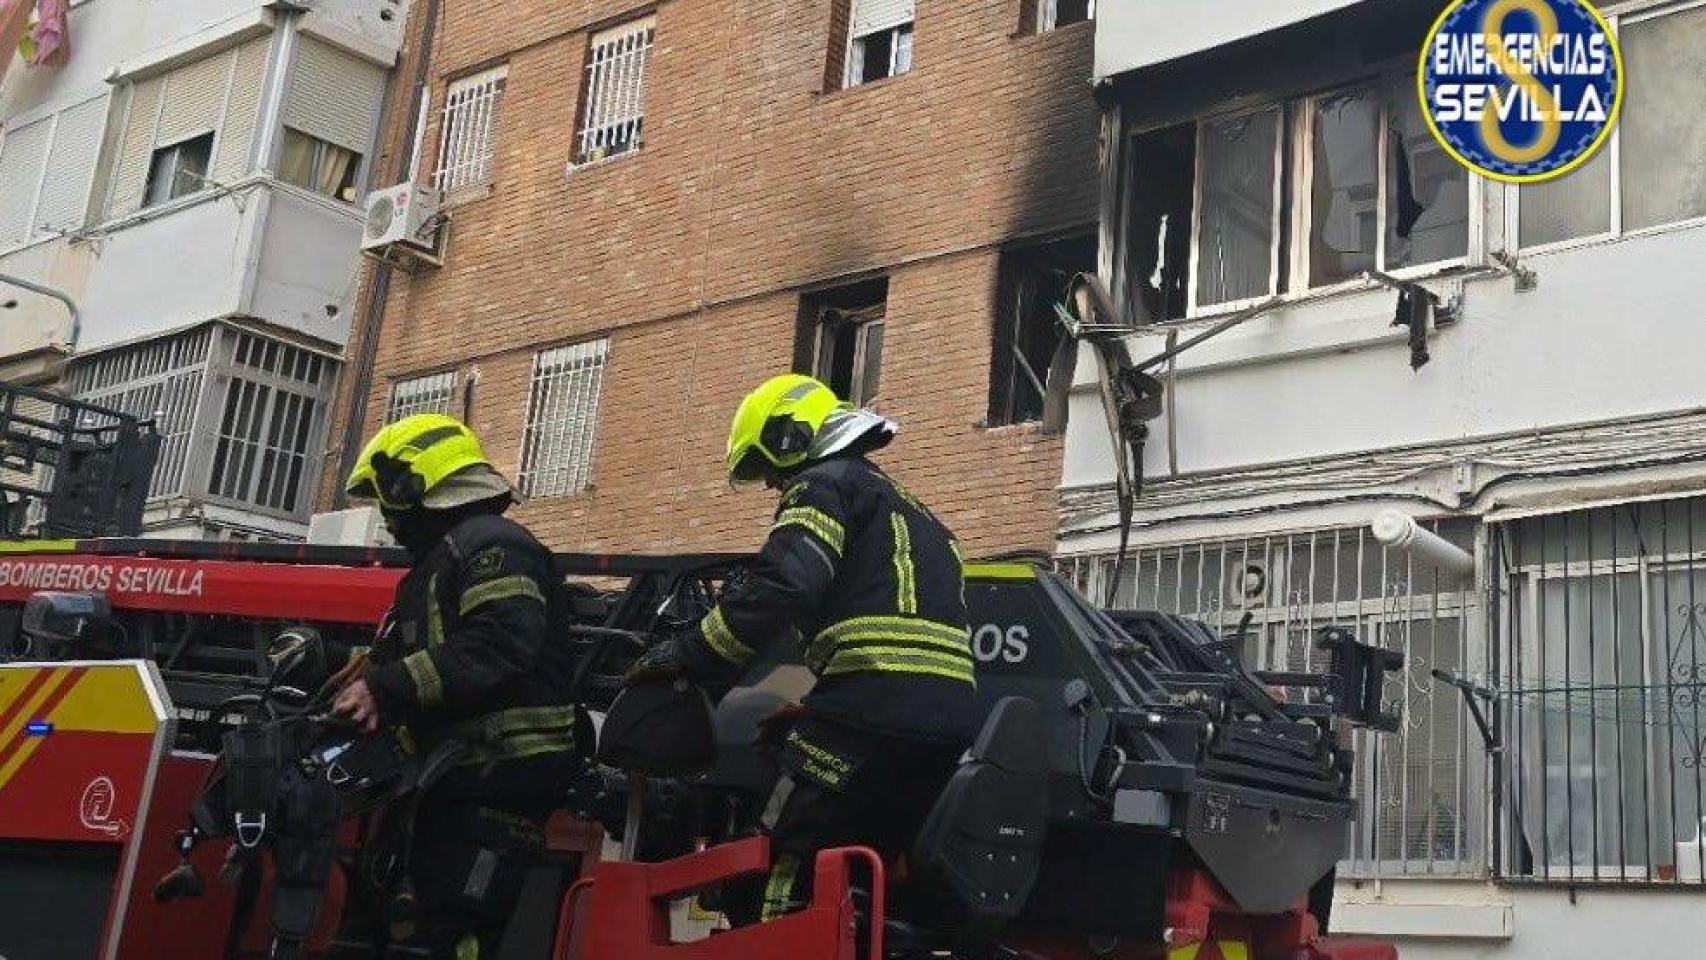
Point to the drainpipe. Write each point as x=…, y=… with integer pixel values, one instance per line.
x=60, y=295
x=357, y=414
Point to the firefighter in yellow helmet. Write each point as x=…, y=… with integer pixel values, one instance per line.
x=465, y=654
x=872, y=583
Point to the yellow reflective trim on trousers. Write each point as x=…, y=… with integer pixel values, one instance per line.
x=722, y=640
x=468, y=948
x=503, y=588
x=815, y=521
x=1233, y=950
x=899, y=660
x=429, y=686
x=435, y=617
x=1186, y=952
x=779, y=889
x=905, y=576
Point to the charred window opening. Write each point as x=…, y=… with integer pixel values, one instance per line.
x=1030, y=282
x=840, y=338
x=1158, y=225
x=1229, y=210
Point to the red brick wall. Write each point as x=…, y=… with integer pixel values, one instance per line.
x=691, y=253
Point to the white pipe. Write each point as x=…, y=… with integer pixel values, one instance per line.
x=1399, y=530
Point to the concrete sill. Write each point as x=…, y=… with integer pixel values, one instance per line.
x=1438, y=921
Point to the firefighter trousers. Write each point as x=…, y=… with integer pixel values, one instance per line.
x=469, y=861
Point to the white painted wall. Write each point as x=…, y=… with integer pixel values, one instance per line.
x=1131, y=34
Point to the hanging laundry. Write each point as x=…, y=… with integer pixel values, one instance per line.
x=52, y=33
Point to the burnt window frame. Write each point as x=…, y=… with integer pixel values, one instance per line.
x=1009, y=380
x=828, y=313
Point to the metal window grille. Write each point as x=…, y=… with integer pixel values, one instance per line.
x=469, y=131
x=562, y=419
x=161, y=379
x=1419, y=787
x=614, y=108
x=1602, y=657
x=428, y=394
x=274, y=400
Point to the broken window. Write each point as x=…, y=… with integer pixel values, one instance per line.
x=841, y=338
x=1238, y=202
x=1026, y=331
x=178, y=170
x=881, y=40
x=1054, y=14
x=1158, y=222
x=1344, y=207
x=1427, y=191
x=1640, y=183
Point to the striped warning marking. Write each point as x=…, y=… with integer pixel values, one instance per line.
x=36, y=700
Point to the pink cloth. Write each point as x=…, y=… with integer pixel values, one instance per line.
x=14, y=20
x=52, y=33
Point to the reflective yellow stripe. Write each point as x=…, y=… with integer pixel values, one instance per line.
x=899, y=660
x=779, y=889
x=906, y=585
x=1000, y=571
x=1186, y=952
x=38, y=546
x=816, y=522
x=1233, y=950
x=468, y=948
x=910, y=625
x=503, y=588
x=435, y=618
x=429, y=686
x=516, y=733
x=899, y=630
x=722, y=640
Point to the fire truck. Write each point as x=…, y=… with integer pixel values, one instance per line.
x=1135, y=792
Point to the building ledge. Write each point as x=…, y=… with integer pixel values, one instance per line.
x=1434, y=921
x=195, y=46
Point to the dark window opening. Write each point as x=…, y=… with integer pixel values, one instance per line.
x=1158, y=222
x=178, y=170
x=1061, y=13
x=1030, y=282
x=840, y=338
x=886, y=53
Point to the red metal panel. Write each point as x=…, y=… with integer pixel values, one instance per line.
x=233, y=588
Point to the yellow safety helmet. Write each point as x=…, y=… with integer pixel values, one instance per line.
x=425, y=460
x=793, y=419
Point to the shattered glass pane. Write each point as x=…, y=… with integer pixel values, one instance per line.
x=1664, y=133
x=1235, y=248
x=1345, y=199
x=1427, y=192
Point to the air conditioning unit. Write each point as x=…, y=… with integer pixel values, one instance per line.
x=355, y=527
x=404, y=216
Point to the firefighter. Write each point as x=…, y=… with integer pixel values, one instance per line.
x=872, y=583
x=465, y=655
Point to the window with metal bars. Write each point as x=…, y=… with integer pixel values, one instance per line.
x=428, y=394
x=161, y=379
x=266, y=422
x=562, y=419
x=468, y=136
x=1598, y=686
x=1420, y=788
x=613, y=98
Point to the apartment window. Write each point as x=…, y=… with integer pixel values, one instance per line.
x=47, y=168
x=1030, y=282
x=469, y=132
x=841, y=338
x=1635, y=181
x=613, y=106
x=562, y=419
x=428, y=394
x=880, y=40
x=1054, y=14
x=1603, y=619
x=160, y=379
x=274, y=401
x=1420, y=789
x=178, y=170
x=314, y=164
x=1290, y=197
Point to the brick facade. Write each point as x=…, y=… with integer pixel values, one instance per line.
x=753, y=185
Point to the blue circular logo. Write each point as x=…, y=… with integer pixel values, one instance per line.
x=1520, y=90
